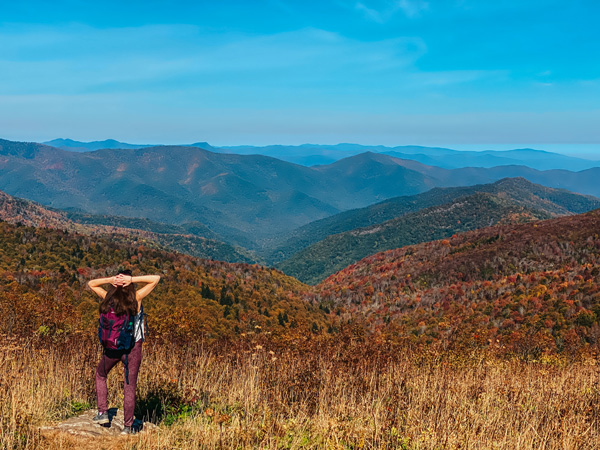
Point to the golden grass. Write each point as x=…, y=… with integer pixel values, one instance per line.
x=309, y=394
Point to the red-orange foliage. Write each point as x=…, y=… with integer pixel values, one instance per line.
x=527, y=288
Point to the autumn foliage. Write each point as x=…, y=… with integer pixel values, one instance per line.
x=43, y=291
x=527, y=288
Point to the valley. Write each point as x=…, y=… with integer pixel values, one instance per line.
x=328, y=254
x=252, y=201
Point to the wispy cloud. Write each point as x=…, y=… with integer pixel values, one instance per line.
x=453, y=77
x=81, y=58
x=413, y=8
x=383, y=11
x=371, y=13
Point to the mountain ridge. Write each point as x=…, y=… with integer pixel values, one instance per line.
x=233, y=194
x=252, y=201
x=394, y=207
x=319, y=154
x=181, y=239
x=478, y=210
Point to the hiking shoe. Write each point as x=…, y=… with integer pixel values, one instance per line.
x=101, y=418
x=129, y=430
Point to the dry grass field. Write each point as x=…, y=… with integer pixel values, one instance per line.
x=307, y=393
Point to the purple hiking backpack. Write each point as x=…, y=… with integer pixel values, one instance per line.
x=116, y=332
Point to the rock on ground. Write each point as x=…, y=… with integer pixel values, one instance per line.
x=82, y=425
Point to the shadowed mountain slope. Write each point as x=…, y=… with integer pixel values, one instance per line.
x=555, y=202
x=185, y=239
x=337, y=251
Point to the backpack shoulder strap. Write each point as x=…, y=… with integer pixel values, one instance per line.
x=142, y=321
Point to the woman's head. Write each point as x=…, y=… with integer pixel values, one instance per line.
x=120, y=298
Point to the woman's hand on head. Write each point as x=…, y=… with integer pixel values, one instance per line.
x=122, y=280
x=125, y=279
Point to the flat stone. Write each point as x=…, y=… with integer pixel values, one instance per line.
x=83, y=425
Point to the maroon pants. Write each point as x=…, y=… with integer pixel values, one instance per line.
x=108, y=361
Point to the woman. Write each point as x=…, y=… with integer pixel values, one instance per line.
x=124, y=299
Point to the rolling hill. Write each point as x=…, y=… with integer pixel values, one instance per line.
x=337, y=251
x=528, y=288
x=555, y=202
x=318, y=154
x=185, y=239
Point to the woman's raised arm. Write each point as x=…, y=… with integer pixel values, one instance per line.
x=95, y=285
x=151, y=280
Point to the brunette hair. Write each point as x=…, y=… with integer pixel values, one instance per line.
x=120, y=298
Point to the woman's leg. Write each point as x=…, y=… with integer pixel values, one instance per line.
x=104, y=366
x=134, y=361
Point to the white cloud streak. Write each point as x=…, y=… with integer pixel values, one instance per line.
x=383, y=11
x=80, y=58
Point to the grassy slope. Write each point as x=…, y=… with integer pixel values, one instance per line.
x=306, y=394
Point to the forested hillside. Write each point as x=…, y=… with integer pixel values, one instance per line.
x=479, y=210
x=525, y=288
x=522, y=289
x=43, y=276
x=188, y=238
x=555, y=202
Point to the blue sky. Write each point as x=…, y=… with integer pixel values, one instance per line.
x=460, y=74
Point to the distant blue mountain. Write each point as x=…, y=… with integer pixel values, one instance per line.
x=78, y=146
x=207, y=146
x=455, y=159
x=316, y=154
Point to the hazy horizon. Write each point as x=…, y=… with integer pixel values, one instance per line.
x=585, y=151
